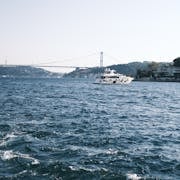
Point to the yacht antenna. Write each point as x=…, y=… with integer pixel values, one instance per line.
x=101, y=59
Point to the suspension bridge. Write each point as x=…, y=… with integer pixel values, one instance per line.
x=52, y=64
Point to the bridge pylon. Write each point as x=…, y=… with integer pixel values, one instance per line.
x=101, y=59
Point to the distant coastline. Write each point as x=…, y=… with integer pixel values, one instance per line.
x=26, y=72
x=141, y=71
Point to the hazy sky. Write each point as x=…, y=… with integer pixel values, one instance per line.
x=40, y=31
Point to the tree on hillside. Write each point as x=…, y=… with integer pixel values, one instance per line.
x=153, y=66
x=148, y=72
x=177, y=62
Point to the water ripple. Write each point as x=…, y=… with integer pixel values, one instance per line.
x=74, y=129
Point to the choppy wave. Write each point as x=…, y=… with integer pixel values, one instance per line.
x=7, y=155
x=74, y=129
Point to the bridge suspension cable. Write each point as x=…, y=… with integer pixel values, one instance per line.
x=114, y=58
x=51, y=64
x=67, y=59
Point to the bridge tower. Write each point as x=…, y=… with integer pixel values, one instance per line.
x=101, y=59
x=5, y=62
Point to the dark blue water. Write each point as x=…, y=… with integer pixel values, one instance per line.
x=74, y=129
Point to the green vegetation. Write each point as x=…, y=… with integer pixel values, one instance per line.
x=177, y=62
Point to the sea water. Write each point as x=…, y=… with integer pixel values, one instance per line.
x=74, y=129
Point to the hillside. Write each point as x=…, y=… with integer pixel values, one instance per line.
x=26, y=71
x=128, y=69
x=141, y=71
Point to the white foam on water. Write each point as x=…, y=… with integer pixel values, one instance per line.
x=9, y=154
x=73, y=168
x=132, y=177
x=35, y=161
x=7, y=138
x=22, y=172
x=11, y=135
x=90, y=169
x=93, y=151
x=111, y=151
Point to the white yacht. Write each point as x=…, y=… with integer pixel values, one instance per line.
x=112, y=77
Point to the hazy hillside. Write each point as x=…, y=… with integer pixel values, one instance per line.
x=25, y=71
x=128, y=69
x=145, y=71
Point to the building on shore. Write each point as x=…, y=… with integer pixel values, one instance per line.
x=167, y=72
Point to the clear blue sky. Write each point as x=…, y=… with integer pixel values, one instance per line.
x=40, y=31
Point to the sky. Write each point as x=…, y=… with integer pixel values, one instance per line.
x=74, y=32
